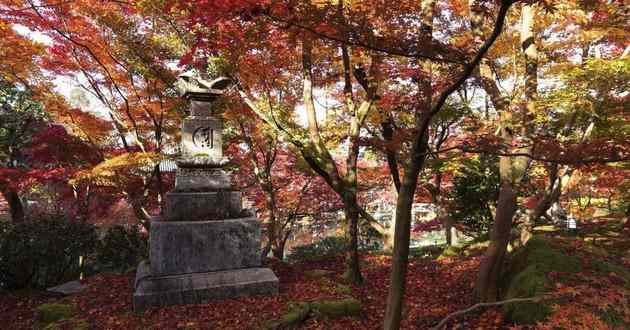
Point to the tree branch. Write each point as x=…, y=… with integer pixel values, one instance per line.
x=480, y=305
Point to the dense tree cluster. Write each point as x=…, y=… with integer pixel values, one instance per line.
x=497, y=113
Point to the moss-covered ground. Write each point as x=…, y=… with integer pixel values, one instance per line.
x=585, y=279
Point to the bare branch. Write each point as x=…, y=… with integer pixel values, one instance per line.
x=480, y=305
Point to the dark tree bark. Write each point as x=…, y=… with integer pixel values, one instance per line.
x=416, y=162
x=16, y=209
x=491, y=265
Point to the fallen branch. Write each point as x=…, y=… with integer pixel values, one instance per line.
x=479, y=305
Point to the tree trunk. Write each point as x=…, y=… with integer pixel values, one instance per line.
x=265, y=251
x=16, y=210
x=351, y=232
x=448, y=230
x=530, y=52
x=278, y=251
x=400, y=258
x=388, y=237
x=402, y=230
x=512, y=171
x=491, y=264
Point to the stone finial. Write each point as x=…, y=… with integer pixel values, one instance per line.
x=197, y=86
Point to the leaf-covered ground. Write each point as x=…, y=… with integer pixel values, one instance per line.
x=434, y=290
x=597, y=297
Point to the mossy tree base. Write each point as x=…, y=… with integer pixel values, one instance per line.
x=528, y=278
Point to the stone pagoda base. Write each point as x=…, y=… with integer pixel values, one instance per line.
x=192, y=262
x=198, y=288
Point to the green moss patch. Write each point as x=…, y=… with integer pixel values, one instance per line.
x=317, y=273
x=48, y=313
x=528, y=278
x=611, y=317
x=343, y=289
x=329, y=309
x=607, y=268
x=68, y=324
x=337, y=308
x=528, y=283
x=296, y=314
x=450, y=252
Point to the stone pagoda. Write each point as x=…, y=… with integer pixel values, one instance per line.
x=205, y=246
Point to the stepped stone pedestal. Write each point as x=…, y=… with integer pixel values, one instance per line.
x=205, y=246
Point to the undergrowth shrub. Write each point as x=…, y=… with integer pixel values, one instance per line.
x=329, y=246
x=44, y=251
x=121, y=249
x=326, y=247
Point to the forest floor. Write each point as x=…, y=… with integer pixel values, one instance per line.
x=435, y=288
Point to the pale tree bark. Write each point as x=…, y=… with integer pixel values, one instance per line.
x=530, y=51
x=512, y=169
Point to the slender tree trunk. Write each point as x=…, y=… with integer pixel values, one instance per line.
x=16, y=210
x=416, y=162
x=160, y=187
x=512, y=170
x=491, y=265
x=531, y=94
x=353, y=271
x=387, y=127
x=448, y=230
x=278, y=251
x=404, y=202
x=388, y=237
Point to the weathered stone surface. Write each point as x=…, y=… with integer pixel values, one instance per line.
x=201, y=179
x=203, y=246
x=206, y=246
x=197, y=288
x=202, y=206
x=68, y=288
x=202, y=136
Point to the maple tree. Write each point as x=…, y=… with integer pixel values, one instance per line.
x=282, y=187
x=524, y=122
x=337, y=105
x=96, y=45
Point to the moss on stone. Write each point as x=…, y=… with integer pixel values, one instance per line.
x=299, y=312
x=296, y=314
x=46, y=314
x=68, y=324
x=548, y=257
x=337, y=308
x=528, y=278
x=528, y=283
x=317, y=273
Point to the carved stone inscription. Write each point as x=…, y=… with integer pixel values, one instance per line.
x=203, y=137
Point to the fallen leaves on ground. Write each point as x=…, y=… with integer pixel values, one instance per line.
x=434, y=290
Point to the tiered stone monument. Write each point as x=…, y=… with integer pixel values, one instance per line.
x=206, y=246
